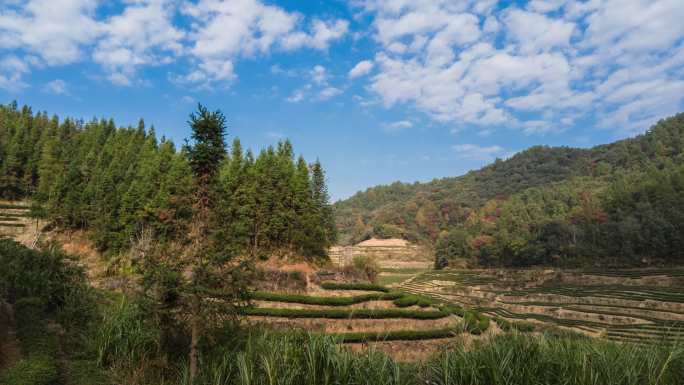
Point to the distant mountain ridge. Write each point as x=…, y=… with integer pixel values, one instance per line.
x=420, y=211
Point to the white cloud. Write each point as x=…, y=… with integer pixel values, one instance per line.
x=296, y=97
x=224, y=31
x=321, y=34
x=11, y=71
x=217, y=34
x=54, y=30
x=545, y=6
x=397, y=126
x=318, y=88
x=361, y=68
x=329, y=92
x=142, y=35
x=479, y=153
x=57, y=87
x=534, y=32
x=529, y=68
x=319, y=75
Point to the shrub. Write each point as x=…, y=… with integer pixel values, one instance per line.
x=32, y=329
x=353, y=286
x=35, y=370
x=451, y=246
x=344, y=313
x=520, y=326
x=475, y=323
x=406, y=301
x=368, y=266
x=323, y=301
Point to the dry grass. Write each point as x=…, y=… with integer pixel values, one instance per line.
x=325, y=325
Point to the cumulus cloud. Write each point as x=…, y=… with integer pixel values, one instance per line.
x=56, y=87
x=218, y=33
x=142, y=35
x=54, y=30
x=362, y=68
x=225, y=31
x=528, y=68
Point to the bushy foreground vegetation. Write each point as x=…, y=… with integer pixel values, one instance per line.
x=120, y=340
x=512, y=359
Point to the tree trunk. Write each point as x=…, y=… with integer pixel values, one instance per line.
x=194, y=340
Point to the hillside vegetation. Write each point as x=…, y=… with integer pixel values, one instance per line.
x=620, y=203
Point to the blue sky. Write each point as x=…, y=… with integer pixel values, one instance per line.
x=379, y=90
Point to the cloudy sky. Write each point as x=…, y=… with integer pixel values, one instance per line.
x=379, y=90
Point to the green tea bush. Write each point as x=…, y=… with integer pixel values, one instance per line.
x=323, y=301
x=520, y=326
x=344, y=313
x=475, y=323
x=406, y=301
x=353, y=286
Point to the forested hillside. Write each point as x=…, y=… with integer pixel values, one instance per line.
x=124, y=184
x=631, y=189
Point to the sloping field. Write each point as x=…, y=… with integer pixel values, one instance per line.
x=642, y=306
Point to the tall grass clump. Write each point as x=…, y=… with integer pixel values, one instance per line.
x=127, y=341
x=297, y=358
x=516, y=359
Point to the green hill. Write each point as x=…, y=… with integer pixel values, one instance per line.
x=423, y=211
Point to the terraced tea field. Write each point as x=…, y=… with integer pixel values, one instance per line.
x=13, y=218
x=363, y=314
x=641, y=306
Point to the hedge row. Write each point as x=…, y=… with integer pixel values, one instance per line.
x=4, y=224
x=401, y=335
x=38, y=344
x=324, y=301
x=411, y=300
x=345, y=313
x=474, y=323
x=353, y=286
x=5, y=206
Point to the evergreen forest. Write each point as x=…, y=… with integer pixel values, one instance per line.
x=124, y=184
